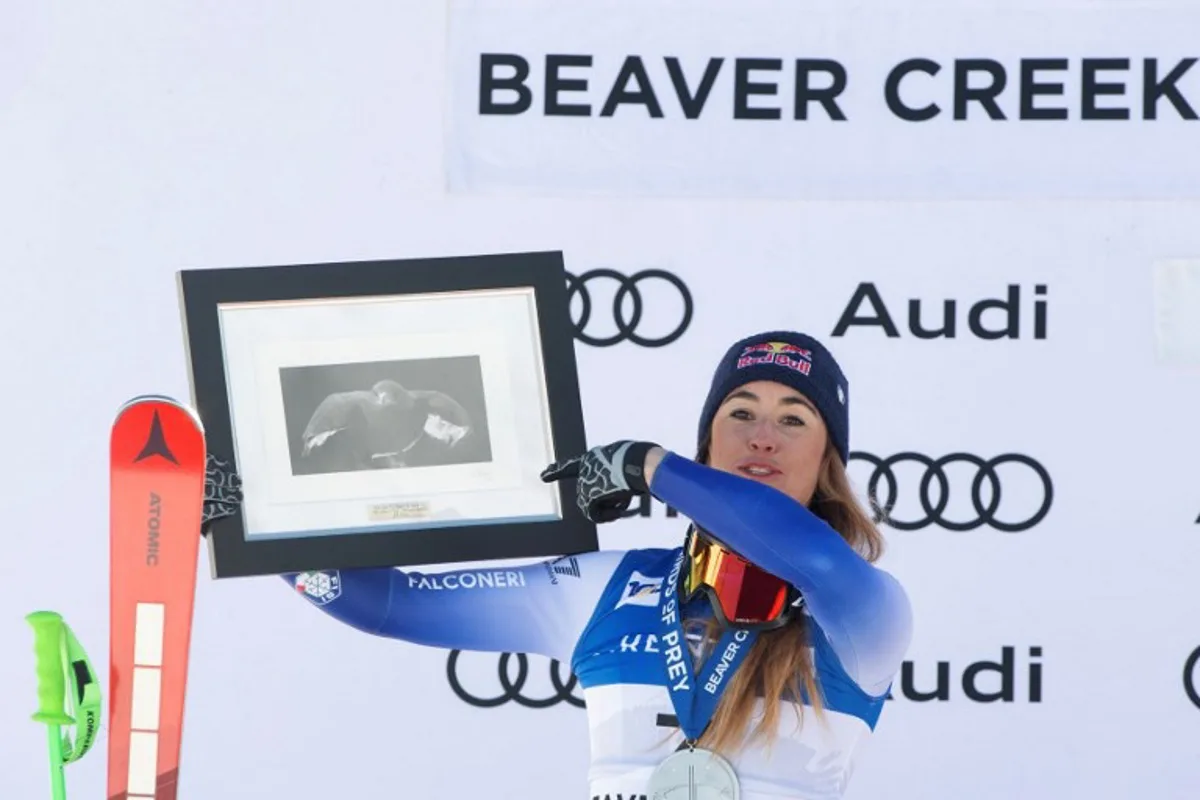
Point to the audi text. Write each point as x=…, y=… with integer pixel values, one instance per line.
x=1007, y=680
x=646, y=505
x=988, y=318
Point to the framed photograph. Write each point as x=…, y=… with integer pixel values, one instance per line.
x=388, y=413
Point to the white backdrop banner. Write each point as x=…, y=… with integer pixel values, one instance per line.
x=1025, y=374
x=820, y=100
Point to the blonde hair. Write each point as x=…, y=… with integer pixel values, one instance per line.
x=780, y=663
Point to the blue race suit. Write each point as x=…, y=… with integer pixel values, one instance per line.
x=599, y=612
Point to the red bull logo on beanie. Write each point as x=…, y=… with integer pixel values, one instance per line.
x=779, y=353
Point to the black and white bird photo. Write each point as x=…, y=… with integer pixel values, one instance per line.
x=385, y=415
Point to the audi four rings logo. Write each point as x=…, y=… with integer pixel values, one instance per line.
x=1191, y=677
x=651, y=308
x=512, y=689
x=933, y=491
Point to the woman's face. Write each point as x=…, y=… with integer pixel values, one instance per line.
x=770, y=433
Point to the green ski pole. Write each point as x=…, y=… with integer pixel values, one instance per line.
x=61, y=662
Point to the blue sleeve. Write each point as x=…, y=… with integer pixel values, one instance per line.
x=863, y=610
x=536, y=608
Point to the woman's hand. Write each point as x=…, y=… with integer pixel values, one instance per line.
x=608, y=477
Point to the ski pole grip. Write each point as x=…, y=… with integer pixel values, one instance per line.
x=47, y=646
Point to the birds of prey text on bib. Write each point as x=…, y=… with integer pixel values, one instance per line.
x=378, y=429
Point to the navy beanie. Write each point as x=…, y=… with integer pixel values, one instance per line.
x=795, y=360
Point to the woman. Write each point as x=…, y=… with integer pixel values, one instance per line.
x=690, y=657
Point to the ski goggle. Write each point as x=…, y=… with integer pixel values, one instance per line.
x=741, y=593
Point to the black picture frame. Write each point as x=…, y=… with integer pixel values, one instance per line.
x=205, y=292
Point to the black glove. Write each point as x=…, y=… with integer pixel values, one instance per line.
x=222, y=492
x=607, y=478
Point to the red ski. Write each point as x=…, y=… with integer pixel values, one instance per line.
x=156, y=500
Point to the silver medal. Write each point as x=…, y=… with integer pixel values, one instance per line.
x=694, y=774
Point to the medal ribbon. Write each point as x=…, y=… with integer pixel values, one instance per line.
x=695, y=696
